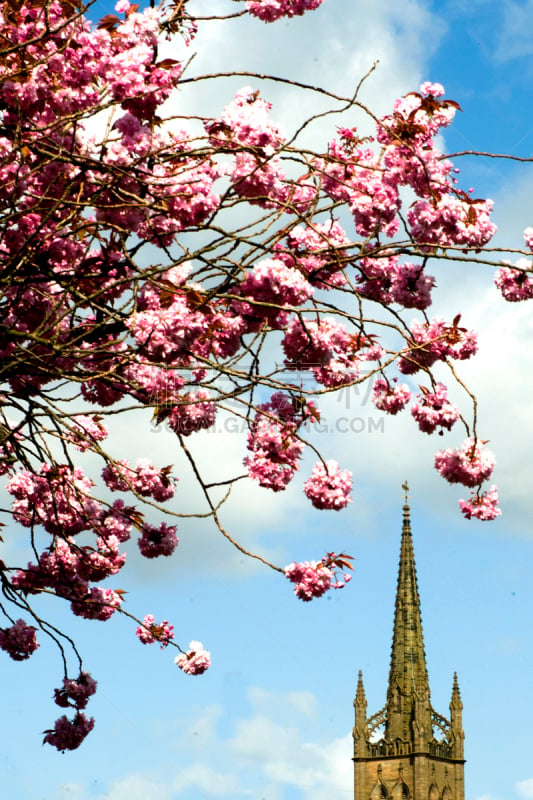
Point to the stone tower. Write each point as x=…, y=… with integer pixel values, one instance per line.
x=407, y=751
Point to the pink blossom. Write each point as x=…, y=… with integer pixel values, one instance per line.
x=261, y=181
x=150, y=632
x=58, y=498
x=96, y=564
x=116, y=521
x=144, y=479
x=353, y=175
x=97, y=603
x=246, y=122
x=88, y=430
x=328, y=487
x=19, y=640
x=271, y=10
x=451, y=221
x=273, y=441
x=314, y=578
x=432, y=89
x=195, y=412
x=516, y=283
x=483, y=506
x=325, y=347
x=435, y=341
x=320, y=251
x=157, y=541
x=195, y=661
x=434, y=410
x=69, y=734
x=528, y=237
x=276, y=284
x=390, y=397
x=387, y=281
x=417, y=118
x=470, y=465
x=75, y=693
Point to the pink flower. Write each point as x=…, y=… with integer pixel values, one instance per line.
x=314, y=578
x=434, y=409
x=390, y=397
x=88, y=431
x=435, y=341
x=470, y=465
x=515, y=283
x=270, y=10
x=75, y=693
x=144, y=479
x=97, y=603
x=151, y=632
x=69, y=734
x=451, y=221
x=328, y=487
x=276, y=284
x=195, y=661
x=483, y=506
x=19, y=640
x=195, y=412
x=160, y=541
x=273, y=441
x=387, y=281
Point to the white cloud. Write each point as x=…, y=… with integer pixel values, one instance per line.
x=317, y=50
x=138, y=787
x=282, y=754
x=513, y=40
x=70, y=791
x=210, y=782
x=283, y=705
x=524, y=788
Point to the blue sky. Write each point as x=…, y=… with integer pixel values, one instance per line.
x=272, y=718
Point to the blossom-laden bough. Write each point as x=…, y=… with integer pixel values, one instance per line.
x=132, y=279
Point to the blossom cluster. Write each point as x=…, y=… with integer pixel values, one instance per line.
x=433, y=410
x=68, y=734
x=328, y=487
x=19, y=640
x=195, y=661
x=436, y=341
x=515, y=283
x=274, y=444
x=150, y=631
x=470, y=465
x=315, y=578
x=482, y=505
x=390, y=397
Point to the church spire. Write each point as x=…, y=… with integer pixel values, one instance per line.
x=408, y=712
x=406, y=749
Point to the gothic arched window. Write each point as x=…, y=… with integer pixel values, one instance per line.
x=447, y=793
x=433, y=792
x=379, y=792
x=401, y=792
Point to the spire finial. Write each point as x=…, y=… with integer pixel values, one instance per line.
x=406, y=509
x=360, y=694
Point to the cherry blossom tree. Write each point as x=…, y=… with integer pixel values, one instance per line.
x=196, y=268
